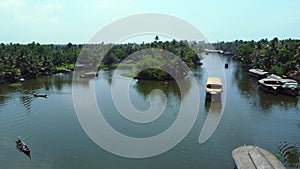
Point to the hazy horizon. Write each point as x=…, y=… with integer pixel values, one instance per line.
x=210, y=42
x=61, y=22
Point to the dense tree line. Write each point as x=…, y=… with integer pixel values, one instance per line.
x=179, y=48
x=155, y=59
x=34, y=59
x=276, y=56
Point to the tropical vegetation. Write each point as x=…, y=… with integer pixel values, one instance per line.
x=32, y=60
x=281, y=57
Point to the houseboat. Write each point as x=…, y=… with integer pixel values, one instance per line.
x=213, y=88
x=253, y=157
x=258, y=73
x=277, y=85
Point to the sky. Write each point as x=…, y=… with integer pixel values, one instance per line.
x=64, y=21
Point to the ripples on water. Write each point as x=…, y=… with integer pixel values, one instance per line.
x=16, y=119
x=289, y=154
x=243, y=123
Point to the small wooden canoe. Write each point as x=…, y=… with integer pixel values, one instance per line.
x=89, y=74
x=226, y=65
x=39, y=95
x=23, y=147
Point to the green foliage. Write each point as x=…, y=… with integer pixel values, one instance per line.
x=67, y=66
x=154, y=74
x=276, y=56
x=118, y=53
x=129, y=74
x=278, y=156
x=277, y=70
x=17, y=85
x=33, y=59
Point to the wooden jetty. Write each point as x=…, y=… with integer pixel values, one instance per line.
x=253, y=157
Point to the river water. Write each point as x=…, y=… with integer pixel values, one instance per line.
x=57, y=141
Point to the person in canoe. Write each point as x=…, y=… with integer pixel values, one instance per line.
x=39, y=95
x=23, y=147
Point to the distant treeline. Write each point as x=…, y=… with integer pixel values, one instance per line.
x=34, y=59
x=276, y=56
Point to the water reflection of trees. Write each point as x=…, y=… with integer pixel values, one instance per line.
x=170, y=88
x=3, y=99
x=58, y=81
x=107, y=75
x=25, y=93
x=266, y=101
x=246, y=85
x=213, y=107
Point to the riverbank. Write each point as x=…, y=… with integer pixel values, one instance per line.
x=280, y=57
x=16, y=81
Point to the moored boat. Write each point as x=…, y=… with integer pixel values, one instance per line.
x=258, y=73
x=22, y=79
x=23, y=147
x=253, y=157
x=64, y=71
x=277, y=85
x=89, y=74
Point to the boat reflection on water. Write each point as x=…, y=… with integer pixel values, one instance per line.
x=214, y=115
x=266, y=102
x=213, y=107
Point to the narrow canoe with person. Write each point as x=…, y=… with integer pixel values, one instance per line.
x=40, y=95
x=21, y=146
